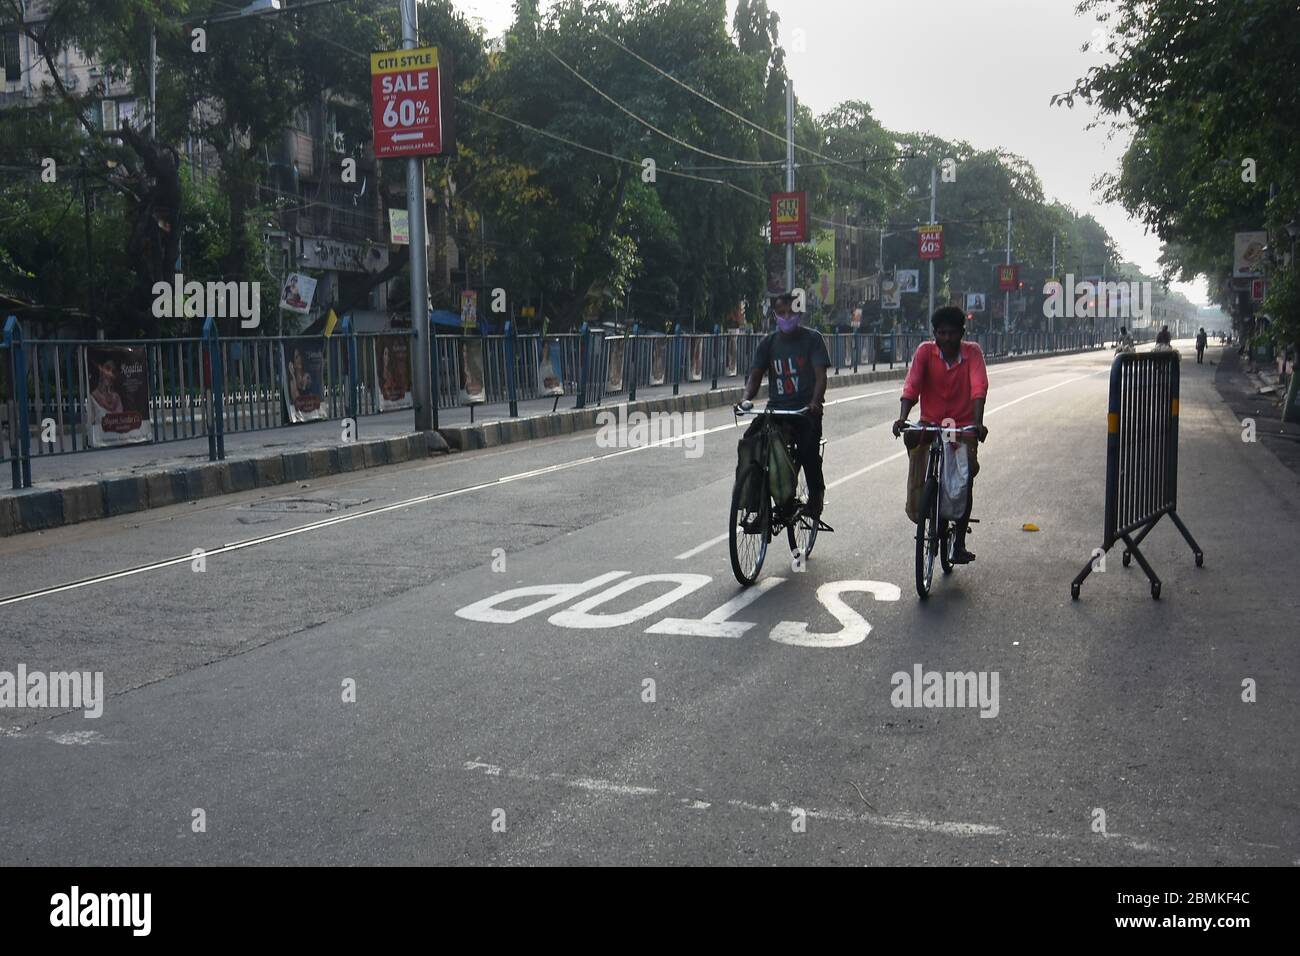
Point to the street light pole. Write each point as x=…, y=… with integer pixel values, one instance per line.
x=933, y=174
x=426, y=407
x=1051, y=320
x=1006, y=296
x=789, y=174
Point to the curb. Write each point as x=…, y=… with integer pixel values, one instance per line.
x=38, y=510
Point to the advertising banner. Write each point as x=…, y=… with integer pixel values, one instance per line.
x=658, y=361
x=302, y=375
x=929, y=242
x=550, y=376
x=890, y=295
x=392, y=372
x=406, y=108
x=614, y=348
x=789, y=212
x=297, y=293
x=473, y=390
x=1248, y=254
x=118, y=402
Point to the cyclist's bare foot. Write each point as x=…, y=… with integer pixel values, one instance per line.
x=961, y=556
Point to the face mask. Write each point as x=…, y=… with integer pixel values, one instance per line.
x=788, y=323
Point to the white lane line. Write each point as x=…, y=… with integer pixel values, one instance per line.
x=591, y=784
x=702, y=547
x=895, y=821
x=699, y=548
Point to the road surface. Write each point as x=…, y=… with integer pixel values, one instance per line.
x=610, y=723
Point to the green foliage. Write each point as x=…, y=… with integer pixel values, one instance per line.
x=1203, y=87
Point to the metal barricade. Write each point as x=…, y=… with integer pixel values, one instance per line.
x=1141, y=459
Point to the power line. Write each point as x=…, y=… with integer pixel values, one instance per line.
x=650, y=126
x=599, y=152
x=716, y=104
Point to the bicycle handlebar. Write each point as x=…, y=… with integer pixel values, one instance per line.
x=740, y=412
x=938, y=428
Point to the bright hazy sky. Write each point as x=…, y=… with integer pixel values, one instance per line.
x=975, y=70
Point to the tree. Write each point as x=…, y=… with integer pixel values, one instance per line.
x=1208, y=91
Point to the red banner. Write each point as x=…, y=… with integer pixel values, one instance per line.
x=406, y=109
x=929, y=242
x=789, y=217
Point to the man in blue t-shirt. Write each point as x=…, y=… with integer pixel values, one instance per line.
x=795, y=360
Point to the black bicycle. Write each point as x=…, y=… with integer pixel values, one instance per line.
x=935, y=535
x=753, y=528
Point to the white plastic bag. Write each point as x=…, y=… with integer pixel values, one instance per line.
x=956, y=475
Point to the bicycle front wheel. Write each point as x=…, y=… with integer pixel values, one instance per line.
x=947, y=536
x=802, y=534
x=927, y=534
x=749, y=531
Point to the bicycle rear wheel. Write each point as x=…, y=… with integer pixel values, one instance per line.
x=750, y=531
x=927, y=534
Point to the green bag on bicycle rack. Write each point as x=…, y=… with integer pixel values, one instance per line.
x=781, y=473
x=749, y=452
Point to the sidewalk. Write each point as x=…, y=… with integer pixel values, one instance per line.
x=83, y=486
x=1256, y=395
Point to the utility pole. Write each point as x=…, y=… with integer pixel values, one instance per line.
x=789, y=174
x=1006, y=295
x=1051, y=321
x=426, y=407
x=933, y=174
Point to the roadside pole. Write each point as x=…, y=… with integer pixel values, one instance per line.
x=1006, y=295
x=933, y=175
x=426, y=418
x=789, y=175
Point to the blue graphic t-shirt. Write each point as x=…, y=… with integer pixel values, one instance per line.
x=791, y=362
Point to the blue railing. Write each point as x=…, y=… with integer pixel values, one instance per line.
x=61, y=396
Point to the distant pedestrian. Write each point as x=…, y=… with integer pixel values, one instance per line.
x=1201, y=339
x=1164, y=340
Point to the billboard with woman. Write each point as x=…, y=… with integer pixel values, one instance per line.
x=302, y=374
x=118, y=402
x=392, y=372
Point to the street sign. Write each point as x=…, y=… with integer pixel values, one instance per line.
x=1256, y=290
x=789, y=217
x=406, y=109
x=929, y=241
x=1008, y=278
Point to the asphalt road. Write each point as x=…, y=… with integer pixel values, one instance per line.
x=528, y=737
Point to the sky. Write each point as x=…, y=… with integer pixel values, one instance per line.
x=982, y=71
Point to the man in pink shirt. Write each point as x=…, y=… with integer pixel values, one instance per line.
x=949, y=379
